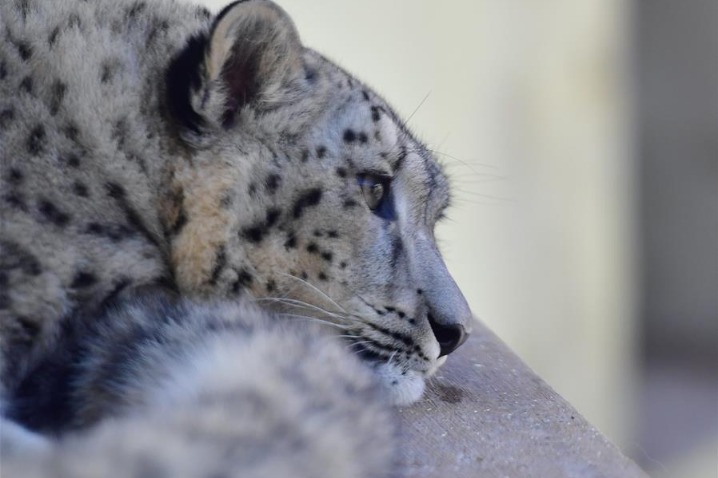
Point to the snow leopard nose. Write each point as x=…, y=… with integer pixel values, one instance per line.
x=449, y=336
x=448, y=313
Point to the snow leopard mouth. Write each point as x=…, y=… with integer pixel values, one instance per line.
x=404, y=385
x=375, y=359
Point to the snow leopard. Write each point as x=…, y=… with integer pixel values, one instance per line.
x=200, y=218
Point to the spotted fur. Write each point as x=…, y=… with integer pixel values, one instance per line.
x=166, y=387
x=149, y=145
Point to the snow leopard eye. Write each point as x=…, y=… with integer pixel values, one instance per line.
x=377, y=194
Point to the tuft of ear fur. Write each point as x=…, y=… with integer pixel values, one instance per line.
x=251, y=54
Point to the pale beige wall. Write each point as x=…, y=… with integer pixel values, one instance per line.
x=526, y=103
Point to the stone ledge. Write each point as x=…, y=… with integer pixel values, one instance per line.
x=486, y=414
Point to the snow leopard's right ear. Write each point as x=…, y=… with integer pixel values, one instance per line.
x=249, y=58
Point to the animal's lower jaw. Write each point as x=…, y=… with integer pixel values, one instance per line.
x=404, y=388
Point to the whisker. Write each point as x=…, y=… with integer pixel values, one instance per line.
x=303, y=305
x=313, y=287
x=428, y=93
x=368, y=304
x=481, y=195
x=362, y=343
x=460, y=200
x=316, y=319
x=465, y=163
x=474, y=178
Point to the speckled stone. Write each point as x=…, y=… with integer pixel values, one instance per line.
x=486, y=414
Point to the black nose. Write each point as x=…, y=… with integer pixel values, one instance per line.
x=449, y=336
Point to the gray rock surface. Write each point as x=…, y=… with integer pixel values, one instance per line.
x=486, y=414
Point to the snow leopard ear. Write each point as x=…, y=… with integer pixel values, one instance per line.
x=254, y=50
x=249, y=58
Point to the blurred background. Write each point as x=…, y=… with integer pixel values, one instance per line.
x=582, y=139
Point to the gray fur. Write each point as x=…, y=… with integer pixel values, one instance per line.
x=219, y=389
x=148, y=145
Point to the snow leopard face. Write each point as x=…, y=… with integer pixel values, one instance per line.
x=298, y=185
x=149, y=144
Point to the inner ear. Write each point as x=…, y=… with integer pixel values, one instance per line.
x=253, y=52
x=242, y=82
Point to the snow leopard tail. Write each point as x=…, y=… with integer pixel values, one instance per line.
x=178, y=389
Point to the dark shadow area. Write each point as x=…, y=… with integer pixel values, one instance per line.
x=677, y=98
